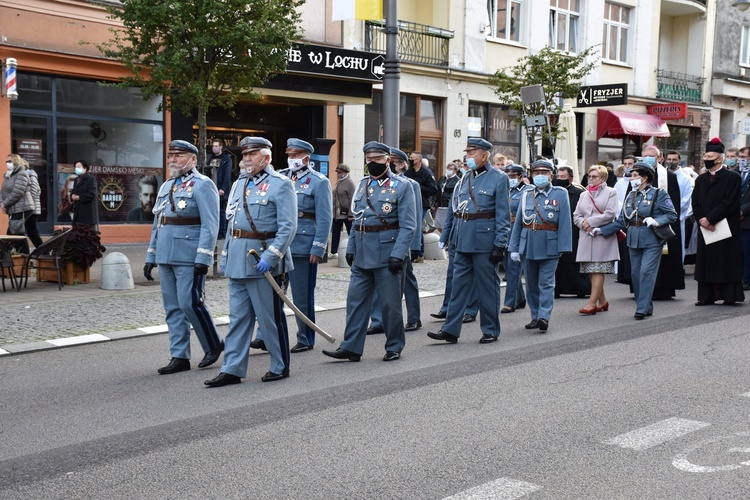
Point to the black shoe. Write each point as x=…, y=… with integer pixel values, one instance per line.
x=441, y=335
x=258, y=344
x=343, y=354
x=175, y=365
x=521, y=304
x=391, y=356
x=374, y=330
x=704, y=303
x=438, y=315
x=507, y=310
x=533, y=325
x=729, y=303
x=211, y=357
x=639, y=315
x=301, y=347
x=413, y=327
x=543, y=324
x=468, y=318
x=223, y=379
x=271, y=376
x=487, y=339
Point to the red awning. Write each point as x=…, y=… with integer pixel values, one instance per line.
x=619, y=123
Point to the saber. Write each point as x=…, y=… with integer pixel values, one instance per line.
x=330, y=338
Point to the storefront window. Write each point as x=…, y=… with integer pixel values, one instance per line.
x=498, y=125
x=681, y=139
x=78, y=96
x=34, y=92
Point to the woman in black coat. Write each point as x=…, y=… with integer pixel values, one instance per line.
x=83, y=197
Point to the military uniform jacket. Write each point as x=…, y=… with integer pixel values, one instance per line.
x=515, y=198
x=484, y=190
x=416, y=242
x=637, y=206
x=392, y=201
x=191, y=195
x=313, y=197
x=550, y=205
x=272, y=205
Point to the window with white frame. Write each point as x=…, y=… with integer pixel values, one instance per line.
x=616, y=29
x=505, y=19
x=745, y=46
x=564, y=18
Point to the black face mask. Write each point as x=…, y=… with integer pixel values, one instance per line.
x=673, y=166
x=412, y=163
x=393, y=167
x=376, y=169
x=561, y=182
x=709, y=164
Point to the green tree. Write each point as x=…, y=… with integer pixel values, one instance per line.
x=559, y=73
x=201, y=54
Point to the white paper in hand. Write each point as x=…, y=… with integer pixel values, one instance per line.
x=721, y=232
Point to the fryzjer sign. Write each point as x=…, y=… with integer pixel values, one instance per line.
x=335, y=63
x=613, y=94
x=671, y=111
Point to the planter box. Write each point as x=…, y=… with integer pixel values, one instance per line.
x=17, y=265
x=71, y=273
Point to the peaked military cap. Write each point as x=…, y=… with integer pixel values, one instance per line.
x=299, y=145
x=478, y=143
x=179, y=145
x=643, y=166
x=376, y=147
x=514, y=167
x=399, y=154
x=543, y=164
x=251, y=143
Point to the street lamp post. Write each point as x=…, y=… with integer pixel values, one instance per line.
x=391, y=77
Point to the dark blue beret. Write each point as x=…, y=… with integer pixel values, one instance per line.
x=400, y=154
x=183, y=146
x=478, y=143
x=377, y=147
x=299, y=144
x=251, y=143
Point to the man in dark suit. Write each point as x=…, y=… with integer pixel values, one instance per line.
x=744, y=169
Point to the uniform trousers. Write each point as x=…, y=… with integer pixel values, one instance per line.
x=303, y=279
x=184, y=306
x=644, y=266
x=359, y=300
x=251, y=299
x=473, y=273
x=540, y=286
x=473, y=306
x=513, y=287
x=411, y=297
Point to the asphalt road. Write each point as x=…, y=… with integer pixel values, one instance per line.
x=600, y=407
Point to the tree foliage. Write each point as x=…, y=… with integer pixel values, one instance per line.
x=201, y=54
x=559, y=73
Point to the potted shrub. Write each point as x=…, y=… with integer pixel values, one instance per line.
x=82, y=248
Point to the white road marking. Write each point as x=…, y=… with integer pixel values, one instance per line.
x=747, y=394
x=658, y=433
x=82, y=339
x=154, y=329
x=682, y=461
x=426, y=294
x=3, y=352
x=504, y=488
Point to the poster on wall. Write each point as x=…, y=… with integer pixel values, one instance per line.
x=124, y=194
x=31, y=151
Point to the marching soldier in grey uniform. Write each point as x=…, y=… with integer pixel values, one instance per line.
x=382, y=233
x=314, y=212
x=398, y=165
x=480, y=216
x=541, y=232
x=514, y=296
x=261, y=216
x=183, y=237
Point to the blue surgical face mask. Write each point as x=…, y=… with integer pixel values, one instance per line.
x=541, y=181
x=471, y=163
x=513, y=183
x=649, y=160
x=79, y=170
x=731, y=162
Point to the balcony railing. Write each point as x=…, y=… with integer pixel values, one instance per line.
x=679, y=86
x=417, y=43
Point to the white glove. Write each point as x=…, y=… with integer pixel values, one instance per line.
x=441, y=245
x=515, y=256
x=595, y=231
x=649, y=221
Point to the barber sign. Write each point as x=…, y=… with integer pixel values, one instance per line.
x=9, y=89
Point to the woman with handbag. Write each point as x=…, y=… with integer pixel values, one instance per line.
x=645, y=211
x=15, y=198
x=597, y=256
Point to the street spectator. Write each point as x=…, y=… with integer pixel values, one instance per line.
x=343, y=192
x=15, y=198
x=221, y=161
x=428, y=187
x=446, y=185
x=499, y=161
x=36, y=193
x=568, y=278
x=83, y=197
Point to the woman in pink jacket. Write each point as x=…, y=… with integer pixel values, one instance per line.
x=596, y=207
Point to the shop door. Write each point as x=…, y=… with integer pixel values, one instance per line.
x=31, y=137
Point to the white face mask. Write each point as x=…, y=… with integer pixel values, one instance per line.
x=9, y=165
x=635, y=183
x=513, y=182
x=79, y=170
x=450, y=173
x=295, y=164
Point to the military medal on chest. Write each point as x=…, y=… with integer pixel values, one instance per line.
x=182, y=204
x=387, y=207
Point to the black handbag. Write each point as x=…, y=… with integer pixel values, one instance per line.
x=663, y=233
x=17, y=224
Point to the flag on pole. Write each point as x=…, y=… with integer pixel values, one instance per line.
x=347, y=10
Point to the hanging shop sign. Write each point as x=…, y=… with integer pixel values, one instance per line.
x=669, y=111
x=614, y=94
x=335, y=63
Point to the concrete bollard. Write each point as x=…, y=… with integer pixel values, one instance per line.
x=116, y=273
x=342, y=251
x=431, y=249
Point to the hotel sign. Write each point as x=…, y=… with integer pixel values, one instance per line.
x=614, y=94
